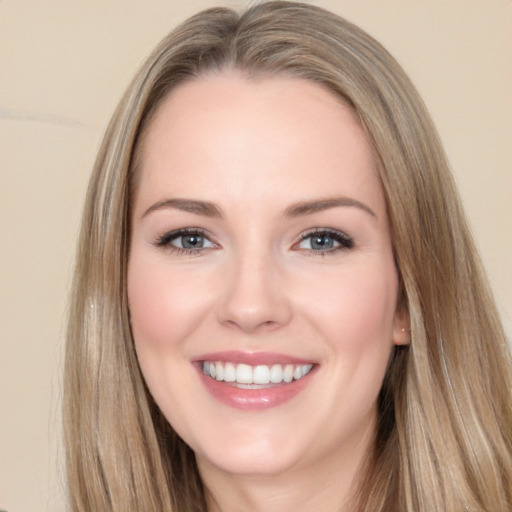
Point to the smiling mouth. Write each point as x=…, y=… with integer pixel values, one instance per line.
x=246, y=376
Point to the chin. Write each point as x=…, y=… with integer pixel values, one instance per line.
x=248, y=461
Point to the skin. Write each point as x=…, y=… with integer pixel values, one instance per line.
x=254, y=148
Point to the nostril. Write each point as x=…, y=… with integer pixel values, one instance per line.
x=252, y=302
x=265, y=325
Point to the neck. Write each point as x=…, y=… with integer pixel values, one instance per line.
x=329, y=484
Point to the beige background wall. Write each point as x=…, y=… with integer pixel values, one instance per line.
x=63, y=66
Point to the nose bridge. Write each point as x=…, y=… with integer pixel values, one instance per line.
x=255, y=296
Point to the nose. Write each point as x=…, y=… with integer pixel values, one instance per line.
x=254, y=295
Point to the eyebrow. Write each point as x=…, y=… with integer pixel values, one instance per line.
x=203, y=208
x=208, y=209
x=308, y=207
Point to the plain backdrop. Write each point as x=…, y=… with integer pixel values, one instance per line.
x=63, y=67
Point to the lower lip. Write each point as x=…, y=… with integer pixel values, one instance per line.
x=254, y=399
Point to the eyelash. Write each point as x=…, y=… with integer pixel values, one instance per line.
x=346, y=242
x=164, y=241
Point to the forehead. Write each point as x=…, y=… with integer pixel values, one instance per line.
x=257, y=136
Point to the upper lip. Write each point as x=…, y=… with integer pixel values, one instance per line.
x=251, y=358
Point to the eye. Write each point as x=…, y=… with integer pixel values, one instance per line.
x=325, y=241
x=185, y=240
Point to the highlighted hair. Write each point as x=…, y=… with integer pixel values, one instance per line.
x=444, y=439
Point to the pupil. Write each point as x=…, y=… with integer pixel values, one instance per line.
x=322, y=242
x=192, y=241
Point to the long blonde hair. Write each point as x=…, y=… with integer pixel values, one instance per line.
x=444, y=439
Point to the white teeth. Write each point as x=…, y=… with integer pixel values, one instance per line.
x=219, y=371
x=288, y=373
x=244, y=374
x=229, y=372
x=276, y=373
x=306, y=368
x=260, y=374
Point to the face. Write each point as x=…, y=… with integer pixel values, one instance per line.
x=261, y=280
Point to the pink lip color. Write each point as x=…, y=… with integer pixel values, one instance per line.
x=252, y=399
x=251, y=358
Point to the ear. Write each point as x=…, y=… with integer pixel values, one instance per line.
x=401, y=327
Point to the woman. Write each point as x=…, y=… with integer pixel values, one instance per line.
x=277, y=303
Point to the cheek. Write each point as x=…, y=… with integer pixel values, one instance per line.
x=356, y=312
x=371, y=303
x=164, y=309
x=361, y=334
x=164, y=306
x=152, y=311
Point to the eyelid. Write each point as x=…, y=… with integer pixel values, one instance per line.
x=164, y=241
x=345, y=241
